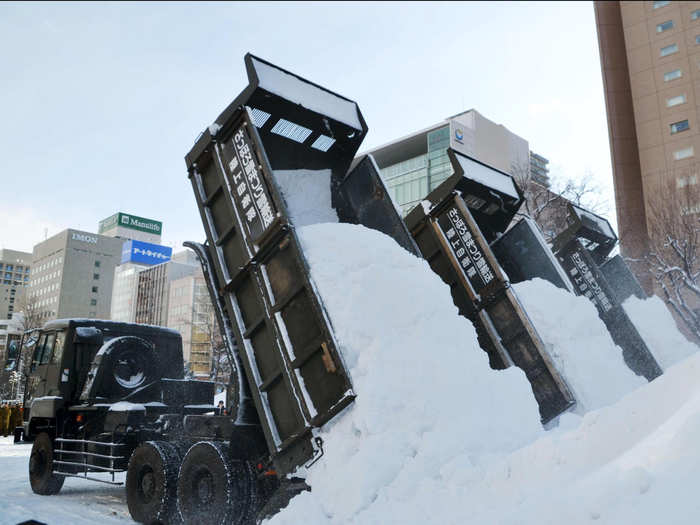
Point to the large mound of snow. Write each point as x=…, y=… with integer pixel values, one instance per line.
x=633, y=462
x=655, y=324
x=425, y=392
x=579, y=343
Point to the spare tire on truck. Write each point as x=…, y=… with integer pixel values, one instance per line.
x=122, y=365
x=151, y=482
x=41, y=466
x=212, y=488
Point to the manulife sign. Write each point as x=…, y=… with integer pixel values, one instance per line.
x=126, y=220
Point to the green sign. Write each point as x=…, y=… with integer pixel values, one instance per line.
x=132, y=222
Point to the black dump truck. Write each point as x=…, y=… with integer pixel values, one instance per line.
x=105, y=397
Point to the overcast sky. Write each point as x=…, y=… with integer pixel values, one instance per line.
x=100, y=102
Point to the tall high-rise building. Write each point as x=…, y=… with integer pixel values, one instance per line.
x=14, y=279
x=72, y=275
x=650, y=60
x=414, y=165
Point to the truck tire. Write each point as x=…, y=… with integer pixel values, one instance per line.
x=214, y=489
x=151, y=482
x=41, y=476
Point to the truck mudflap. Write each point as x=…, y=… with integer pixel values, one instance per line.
x=285, y=340
x=453, y=245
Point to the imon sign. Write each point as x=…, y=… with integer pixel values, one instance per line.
x=83, y=237
x=145, y=253
x=126, y=220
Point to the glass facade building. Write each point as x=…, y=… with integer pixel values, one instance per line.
x=409, y=181
x=416, y=164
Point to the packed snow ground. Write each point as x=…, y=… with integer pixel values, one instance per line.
x=80, y=502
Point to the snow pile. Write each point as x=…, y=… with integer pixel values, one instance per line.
x=425, y=391
x=125, y=406
x=308, y=195
x=657, y=327
x=633, y=462
x=579, y=343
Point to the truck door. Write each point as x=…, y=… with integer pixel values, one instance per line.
x=40, y=364
x=56, y=378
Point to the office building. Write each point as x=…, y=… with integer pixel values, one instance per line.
x=153, y=291
x=414, y=165
x=650, y=60
x=539, y=169
x=72, y=275
x=131, y=227
x=136, y=256
x=191, y=313
x=15, y=269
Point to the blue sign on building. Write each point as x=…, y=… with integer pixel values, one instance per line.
x=145, y=253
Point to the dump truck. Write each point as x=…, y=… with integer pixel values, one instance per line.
x=108, y=397
x=579, y=261
x=453, y=228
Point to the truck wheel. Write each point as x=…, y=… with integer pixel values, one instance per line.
x=213, y=489
x=151, y=482
x=41, y=476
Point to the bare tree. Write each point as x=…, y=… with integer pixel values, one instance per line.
x=31, y=314
x=673, y=221
x=548, y=206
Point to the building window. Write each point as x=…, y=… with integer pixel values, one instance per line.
x=677, y=127
x=682, y=182
x=669, y=50
x=93, y=302
x=95, y=276
x=683, y=153
x=661, y=3
x=695, y=14
x=664, y=26
x=688, y=210
x=97, y=264
x=675, y=101
x=94, y=289
x=697, y=39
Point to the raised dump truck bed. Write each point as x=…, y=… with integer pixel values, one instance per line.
x=287, y=349
x=452, y=228
x=583, y=250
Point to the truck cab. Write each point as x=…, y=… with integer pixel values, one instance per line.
x=65, y=371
